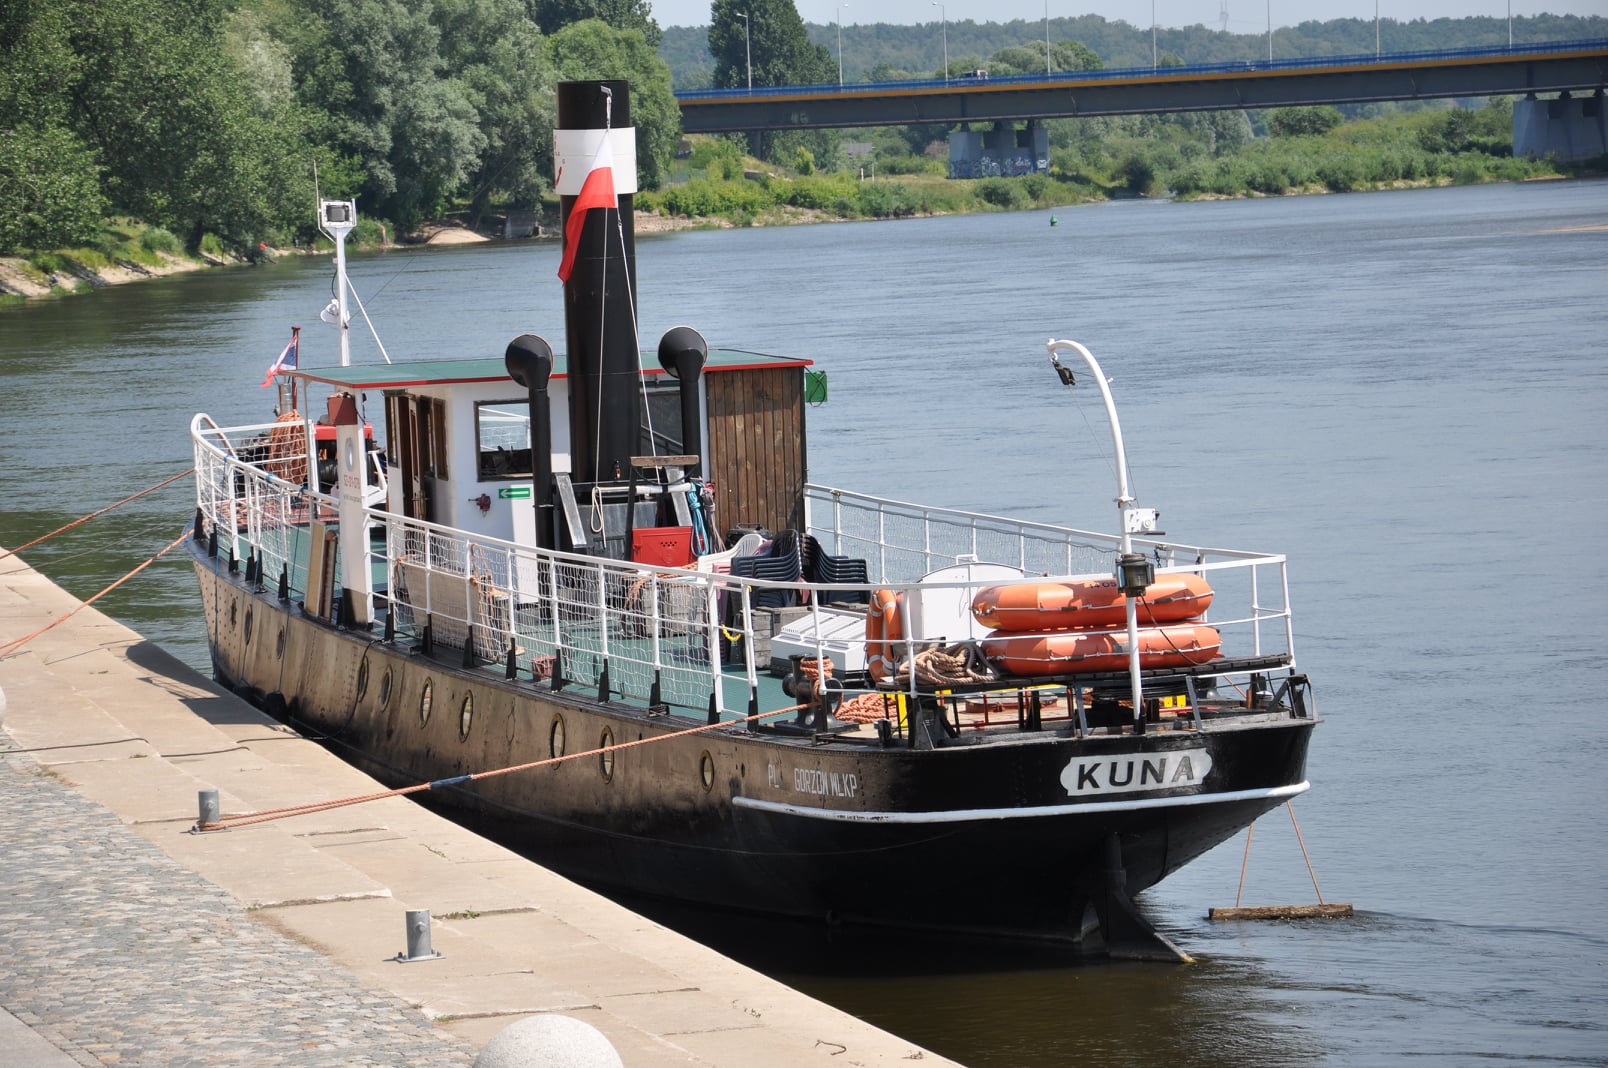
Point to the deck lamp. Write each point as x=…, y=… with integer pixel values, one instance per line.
x=1135, y=573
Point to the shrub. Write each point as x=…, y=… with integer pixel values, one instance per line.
x=1004, y=193
x=1340, y=174
x=1303, y=122
x=157, y=239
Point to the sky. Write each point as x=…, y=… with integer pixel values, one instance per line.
x=1244, y=16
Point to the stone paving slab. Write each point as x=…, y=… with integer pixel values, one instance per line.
x=119, y=955
x=132, y=942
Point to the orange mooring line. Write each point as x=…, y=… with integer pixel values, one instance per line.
x=12, y=646
x=92, y=515
x=265, y=815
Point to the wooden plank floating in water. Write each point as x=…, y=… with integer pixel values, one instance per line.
x=1282, y=912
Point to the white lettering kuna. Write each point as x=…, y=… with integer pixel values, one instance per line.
x=1136, y=771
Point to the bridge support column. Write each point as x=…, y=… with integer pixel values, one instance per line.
x=1568, y=128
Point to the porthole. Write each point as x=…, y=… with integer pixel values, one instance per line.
x=605, y=756
x=465, y=714
x=362, y=677
x=706, y=770
x=424, y=702
x=279, y=645
x=385, y=688
x=248, y=626
x=555, y=737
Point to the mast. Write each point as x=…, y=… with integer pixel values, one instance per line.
x=338, y=218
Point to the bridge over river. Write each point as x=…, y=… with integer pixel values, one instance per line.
x=1572, y=67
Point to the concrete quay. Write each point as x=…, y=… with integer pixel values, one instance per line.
x=127, y=940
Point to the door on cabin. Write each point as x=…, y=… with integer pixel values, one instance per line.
x=416, y=429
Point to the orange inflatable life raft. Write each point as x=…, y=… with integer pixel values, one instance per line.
x=1093, y=602
x=1069, y=652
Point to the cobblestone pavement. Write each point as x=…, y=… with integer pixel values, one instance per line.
x=118, y=955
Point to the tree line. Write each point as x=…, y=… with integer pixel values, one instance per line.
x=220, y=121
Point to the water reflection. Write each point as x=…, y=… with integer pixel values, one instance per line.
x=992, y=1004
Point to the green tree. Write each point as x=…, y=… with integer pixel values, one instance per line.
x=375, y=68
x=594, y=49
x=501, y=63
x=554, y=15
x=49, y=190
x=157, y=97
x=1303, y=122
x=782, y=53
x=1029, y=58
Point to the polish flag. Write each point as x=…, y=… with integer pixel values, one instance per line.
x=597, y=191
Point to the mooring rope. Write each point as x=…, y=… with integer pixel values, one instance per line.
x=12, y=646
x=266, y=815
x=1245, y=862
x=84, y=519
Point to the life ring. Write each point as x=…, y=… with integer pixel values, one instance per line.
x=1071, y=652
x=1090, y=602
x=883, y=630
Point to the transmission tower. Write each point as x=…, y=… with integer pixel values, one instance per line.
x=1222, y=16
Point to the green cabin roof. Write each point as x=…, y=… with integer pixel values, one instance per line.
x=449, y=372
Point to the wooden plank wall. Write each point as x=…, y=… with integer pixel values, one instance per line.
x=757, y=446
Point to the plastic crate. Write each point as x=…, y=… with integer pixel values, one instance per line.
x=664, y=546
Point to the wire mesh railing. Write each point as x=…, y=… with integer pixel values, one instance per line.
x=682, y=638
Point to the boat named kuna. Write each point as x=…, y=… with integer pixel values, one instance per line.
x=722, y=683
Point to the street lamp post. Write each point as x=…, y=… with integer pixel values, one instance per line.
x=840, y=43
x=748, y=49
x=943, y=21
x=1270, y=31
x=1046, y=38
x=1376, y=27
x=1153, y=63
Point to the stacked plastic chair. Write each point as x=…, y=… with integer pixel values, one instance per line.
x=780, y=563
x=822, y=567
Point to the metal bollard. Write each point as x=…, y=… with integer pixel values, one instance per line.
x=418, y=939
x=210, y=812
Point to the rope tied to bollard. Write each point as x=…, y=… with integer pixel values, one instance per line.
x=243, y=819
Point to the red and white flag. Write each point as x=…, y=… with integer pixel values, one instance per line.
x=286, y=361
x=597, y=191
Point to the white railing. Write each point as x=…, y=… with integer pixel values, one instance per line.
x=680, y=637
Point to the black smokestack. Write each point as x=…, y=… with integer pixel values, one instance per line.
x=600, y=293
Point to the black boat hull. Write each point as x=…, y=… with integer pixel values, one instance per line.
x=972, y=836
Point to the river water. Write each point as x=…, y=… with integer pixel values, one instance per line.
x=1403, y=392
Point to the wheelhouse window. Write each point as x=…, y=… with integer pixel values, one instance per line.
x=502, y=439
x=661, y=417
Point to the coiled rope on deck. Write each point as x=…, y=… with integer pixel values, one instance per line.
x=955, y=665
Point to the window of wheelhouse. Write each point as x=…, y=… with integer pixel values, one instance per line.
x=661, y=417
x=502, y=439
